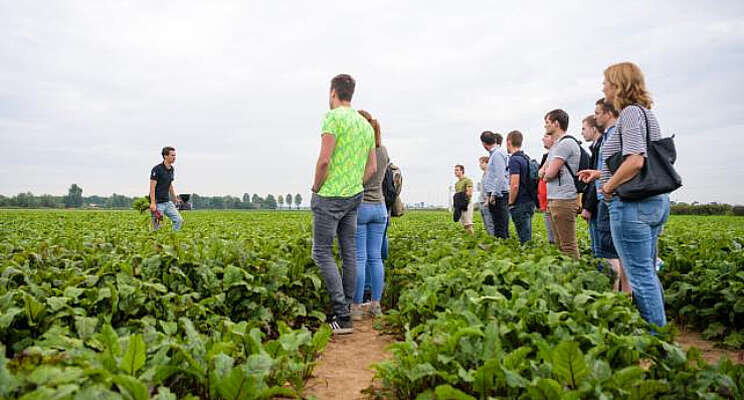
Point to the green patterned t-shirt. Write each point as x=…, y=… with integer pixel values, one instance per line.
x=355, y=138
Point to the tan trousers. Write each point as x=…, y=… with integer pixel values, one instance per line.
x=563, y=219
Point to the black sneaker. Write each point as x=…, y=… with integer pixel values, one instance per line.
x=341, y=326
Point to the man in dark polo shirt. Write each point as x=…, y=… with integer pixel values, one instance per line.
x=161, y=190
x=521, y=200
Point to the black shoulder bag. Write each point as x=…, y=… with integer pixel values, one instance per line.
x=657, y=175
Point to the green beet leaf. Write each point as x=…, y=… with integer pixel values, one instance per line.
x=135, y=355
x=569, y=364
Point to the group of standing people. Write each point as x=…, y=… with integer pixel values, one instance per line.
x=505, y=188
x=348, y=200
x=575, y=182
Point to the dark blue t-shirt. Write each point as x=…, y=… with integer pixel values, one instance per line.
x=163, y=176
x=518, y=165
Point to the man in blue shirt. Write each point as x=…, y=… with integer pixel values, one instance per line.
x=495, y=184
x=521, y=198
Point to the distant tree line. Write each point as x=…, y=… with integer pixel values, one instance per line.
x=75, y=199
x=706, y=209
x=247, y=202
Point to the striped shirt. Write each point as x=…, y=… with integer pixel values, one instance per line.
x=631, y=129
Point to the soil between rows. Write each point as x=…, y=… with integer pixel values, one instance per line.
x=344, y=368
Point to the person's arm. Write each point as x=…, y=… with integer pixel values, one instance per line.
x=469, y=190
x=513, y=188
x=173, y=194
x=630, y=167
x=553, y=169
x=371, y=166
x=327, y=144
x=153, y=206
x=589, y=175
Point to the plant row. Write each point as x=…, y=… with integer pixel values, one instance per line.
x=481, y=319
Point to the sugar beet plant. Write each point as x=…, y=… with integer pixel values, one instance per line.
x=704, y=276
x=93, y=306
x=481, y=320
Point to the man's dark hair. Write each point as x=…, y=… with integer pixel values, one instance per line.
x=560, y=116
x=166, y=151
x=344, y=85
x=462, y=167
x=515, y=137
x=488, y=138
x=607, y=107
x=499, y=138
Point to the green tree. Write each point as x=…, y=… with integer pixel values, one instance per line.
x=25, y=200
x=281, y=200
x=270, y=202
x=298, y=200
x=257, y=201
x=288, y=200
x=74, y=196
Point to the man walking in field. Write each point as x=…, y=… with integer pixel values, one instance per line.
x=162, y=191
x=465, y=184
x=347, y=159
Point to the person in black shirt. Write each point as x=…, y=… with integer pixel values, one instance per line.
x=521, y=202
x=161, y=190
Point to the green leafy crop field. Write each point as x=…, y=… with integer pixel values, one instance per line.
x=94, y=306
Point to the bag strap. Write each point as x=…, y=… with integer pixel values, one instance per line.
x=648, y=130
x=566, y=162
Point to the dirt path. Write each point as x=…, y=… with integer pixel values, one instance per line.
x=710, y=353
x=344, y=368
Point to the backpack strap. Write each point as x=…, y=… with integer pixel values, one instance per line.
x=566, y=163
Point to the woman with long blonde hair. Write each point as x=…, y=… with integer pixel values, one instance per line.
x=635, y=225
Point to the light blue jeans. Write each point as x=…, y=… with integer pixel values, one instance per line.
x=594, y=235
x=371, y=223
x=168, y=209
x=635, y=227
x=487, y=218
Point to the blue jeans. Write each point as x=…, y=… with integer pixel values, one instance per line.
x=168, y=209
x=384, y=251
x=487, y=219
x=521, y=214
x=371, y=223
x=594, y=236
x=635, y=229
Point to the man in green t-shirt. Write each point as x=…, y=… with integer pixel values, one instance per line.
x=347, y=159
x=465, y=184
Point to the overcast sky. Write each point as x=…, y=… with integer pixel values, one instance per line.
x=90, y=91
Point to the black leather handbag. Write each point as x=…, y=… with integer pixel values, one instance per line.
x=657, y=175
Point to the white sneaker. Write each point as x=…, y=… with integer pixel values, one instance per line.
x=375, y=310
x=356, y=312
